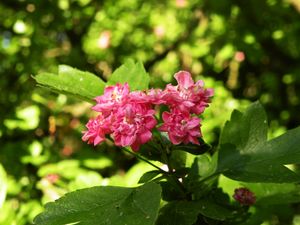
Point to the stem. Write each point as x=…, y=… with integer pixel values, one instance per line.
x=143, y=159
x=140, y=157
x=165, y=155
x=168, y=173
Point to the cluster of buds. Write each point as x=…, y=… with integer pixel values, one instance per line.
x=244, y=196
x=129, y=117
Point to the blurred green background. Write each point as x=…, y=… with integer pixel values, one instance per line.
x=245, y=50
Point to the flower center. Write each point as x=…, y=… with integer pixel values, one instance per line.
x=183, y=122
x=116, y=96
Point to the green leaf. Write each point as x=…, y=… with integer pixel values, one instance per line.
x=132, y=73
x=71, y=81
x=178, y=213
x=253, y=171
x=186, y=212
x=149, y=176
x=265, y=193
x=3, y=185
x=213, y=210
x=246, y=130
x=271, y=194
x=103, y=206
x=246, y=155
x=177, y=159
x=202, y=167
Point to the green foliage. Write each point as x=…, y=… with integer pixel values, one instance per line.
x=266, y=193
x=83, y=85
x=202, y=167
x=3, y=185
x=132, y=73
x=186, y=212
x=178, y=213
x=40, y=129
x=272, y=194
x=87, y=86
x=148, y=176
x=246, y=155
x=104, y=205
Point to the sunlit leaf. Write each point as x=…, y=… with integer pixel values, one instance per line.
x=132, y=73
x=3, y=185
x=149, y=176
x=104, y=205
x=27, y=118
x=71, y=81
x=265, y=193
x=270, y=194
x=246, y=155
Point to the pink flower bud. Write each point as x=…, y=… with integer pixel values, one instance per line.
x=244, y=196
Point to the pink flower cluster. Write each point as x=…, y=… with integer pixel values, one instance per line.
x=129, y=117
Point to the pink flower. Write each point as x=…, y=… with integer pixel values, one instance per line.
x=181, y=127
x=113, y=97
x=97, y=129
x=139, y=97
x=129, y=116
x=244, y=196
x=156, y=96
x=132, y=125
x=187, y=95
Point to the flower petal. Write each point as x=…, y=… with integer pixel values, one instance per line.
x=184, y=79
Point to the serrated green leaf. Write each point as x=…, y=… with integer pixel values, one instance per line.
x=253, y=171
x=246, y=155
x=246, y=130
x=149, y=176
x=71, y=81
x=284, y=149
x=104, y=206
x=132, y=73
